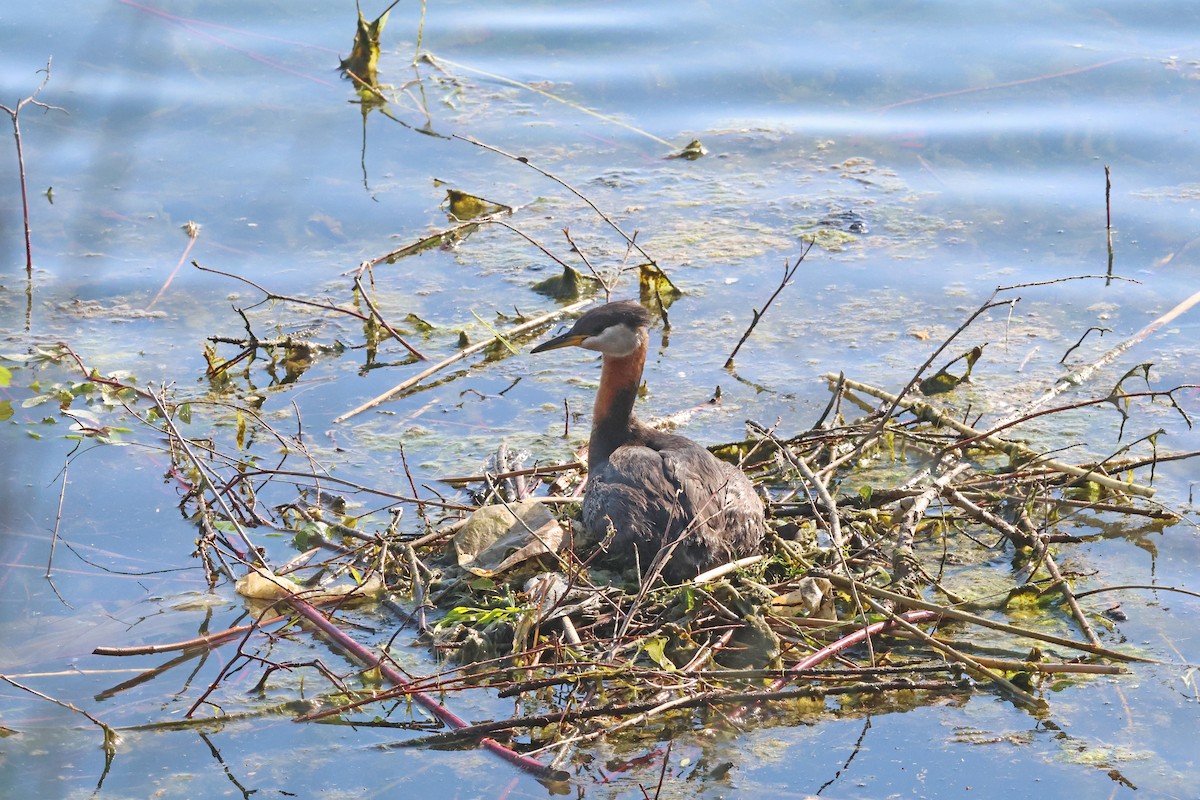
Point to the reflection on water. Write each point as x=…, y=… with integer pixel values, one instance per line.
x=939, y=150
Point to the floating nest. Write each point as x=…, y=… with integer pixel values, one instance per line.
x=910, y=559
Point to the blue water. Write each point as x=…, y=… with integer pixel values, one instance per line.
x=970, y=139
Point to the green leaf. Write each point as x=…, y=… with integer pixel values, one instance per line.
x=655, y=647
x=6, y=410
x=5, y=376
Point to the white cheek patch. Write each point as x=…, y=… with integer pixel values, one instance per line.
x=617, y=340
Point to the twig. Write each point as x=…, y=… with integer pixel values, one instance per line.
x=1108, y=214
x=1150, y=587
x=527, y=87
x=369, y=659
x=362, y=292
x=273, y=296
x=459, y=356
x=789, y=270
x=1060, y=582
x=111, y=739
x=631, y=240
x=252, y=553
x=848, y=641
x=546, y=469
x=902, y=557
x=974, y=619
x=988, y=304
x=1012, y=665
x=925, y=410
x=14, y=114
x=1079, y=376
x=1014, y=691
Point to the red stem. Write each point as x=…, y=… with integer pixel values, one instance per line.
x=448, y=717
x=846, y=642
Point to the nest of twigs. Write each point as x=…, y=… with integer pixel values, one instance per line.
x=910, y=557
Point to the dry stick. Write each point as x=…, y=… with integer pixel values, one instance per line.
x=583, y=257
x=62, y=494
x=895, y=401
x=210, y=640
x=1149, y=586
x=1027, y=531
x=925, y=410
x=691, y=701
x=1012, y=665
x=313, y=304
x=963, y=616
x=193, y=231
x=14, y=114
x=254, y=473
x=459, y=356
x=418, y=587
x=1079, y=376
x=902, y=557
x=835, y=524
x=273, y=296
x=252, y=553
x=789, y=270
x=538, y=471
x=568, y=187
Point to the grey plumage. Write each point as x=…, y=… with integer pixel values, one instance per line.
x=647, y=489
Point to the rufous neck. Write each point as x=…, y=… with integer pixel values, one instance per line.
x=612, y=415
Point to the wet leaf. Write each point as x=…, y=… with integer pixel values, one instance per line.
x=362, y=64
x=943, y=381
x=499, y=537
x=5, y=376
x=570, y=285
x=653, y=284
x=692, y=151
x=465, y=206
x=418, y=324
x=6, y=410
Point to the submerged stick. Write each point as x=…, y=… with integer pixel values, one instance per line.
x=459, y=356
x=193, y=231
